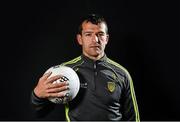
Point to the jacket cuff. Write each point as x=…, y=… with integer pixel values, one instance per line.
x=36, y=100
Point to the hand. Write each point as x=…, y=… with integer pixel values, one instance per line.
x=45, y=87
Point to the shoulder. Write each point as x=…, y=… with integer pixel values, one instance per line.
x=73, y=62
x=118, y=68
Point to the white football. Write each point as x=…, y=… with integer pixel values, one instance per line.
x=69, y=75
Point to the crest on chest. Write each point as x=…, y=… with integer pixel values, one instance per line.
x=111, y=86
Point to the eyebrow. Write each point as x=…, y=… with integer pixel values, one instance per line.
x=92, y=32
x=88, y=32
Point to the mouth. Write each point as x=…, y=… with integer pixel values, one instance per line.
x=95, y=46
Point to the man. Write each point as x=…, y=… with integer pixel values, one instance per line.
x=106, y=90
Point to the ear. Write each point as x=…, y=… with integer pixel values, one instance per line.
x=107, y=38
x=79, y=39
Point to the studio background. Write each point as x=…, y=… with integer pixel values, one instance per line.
x=144, y=38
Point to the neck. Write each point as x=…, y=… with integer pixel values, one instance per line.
x=95, y=58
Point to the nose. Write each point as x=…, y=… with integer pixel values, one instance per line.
x=95, y=38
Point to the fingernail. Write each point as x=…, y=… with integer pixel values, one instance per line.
x=47, y=73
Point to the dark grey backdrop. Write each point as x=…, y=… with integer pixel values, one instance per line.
x=144, y=38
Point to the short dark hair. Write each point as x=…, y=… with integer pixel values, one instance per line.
x=93, y=18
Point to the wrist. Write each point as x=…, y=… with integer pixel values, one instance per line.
x=36, y=93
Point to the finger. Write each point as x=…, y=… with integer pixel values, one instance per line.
x=53, y=78
x=60, y=94
x=60, y=89
x=57, y=85
x=46, y=75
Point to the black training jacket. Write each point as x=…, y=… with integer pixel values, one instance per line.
x=106, y=93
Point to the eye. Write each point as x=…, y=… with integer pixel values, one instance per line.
x=87, y=34
x=100, y=34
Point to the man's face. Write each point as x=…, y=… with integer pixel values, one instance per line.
x=93, y=39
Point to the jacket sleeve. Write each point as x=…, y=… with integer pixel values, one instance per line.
x=41, y=107
x=129, y=105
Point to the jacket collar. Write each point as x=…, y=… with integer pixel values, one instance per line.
x=90, y=61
